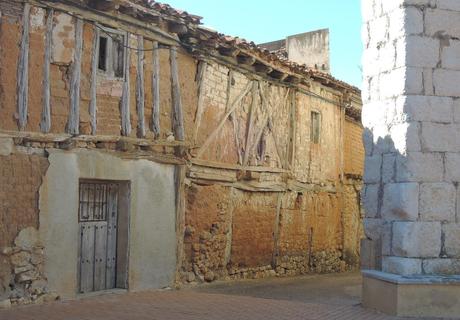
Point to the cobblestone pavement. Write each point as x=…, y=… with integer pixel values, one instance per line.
x=239, y=300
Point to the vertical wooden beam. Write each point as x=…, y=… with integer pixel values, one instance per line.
x=93, y=88
x=293, y=129
x=140, y=87
x=156, y=90
x=125, y=112
x=178, y=120
x=179, y=180
x=23, y=70
x=255, y=86
x=233, y=116
x=45, y=123
x=74, y=114
x=201, y=76
x=229, y=235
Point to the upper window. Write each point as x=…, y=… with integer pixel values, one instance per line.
x=111, y=53
x=315, y=128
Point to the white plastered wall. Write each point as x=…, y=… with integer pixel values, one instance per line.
x=152, y=236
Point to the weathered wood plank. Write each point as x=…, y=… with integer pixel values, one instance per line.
x=100, y=253
x=293, y=127
x=234, y=106
x=201, y=76
x=156, y=91
x=179, y=182
x=221, y=165
x=120, y=21
x=213, y=176
x=259, y=134
x=45, y=123
x=178, y=119
x=255, y=86
x=23, y=70
x=112, y=218
x=126, y=95
x=233, y=116
x=51, y=137
x=87, y=257
x=93, y=88
x=74, y=113
x=140, y=94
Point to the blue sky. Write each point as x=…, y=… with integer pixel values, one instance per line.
x=266, y=20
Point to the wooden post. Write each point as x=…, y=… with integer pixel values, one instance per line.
x=156, y=90
x=178, y=120
x=74, y=114
x=93, y=88
x=201, y=76
x=126, y=95
x=233, y=116
x=255, y=86
x=292, y=131
x=179, y=180
x=229, y=235
x=23, y=70
x=45, y=123
x=140, y=87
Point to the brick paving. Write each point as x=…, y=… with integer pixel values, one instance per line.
x=187, y=305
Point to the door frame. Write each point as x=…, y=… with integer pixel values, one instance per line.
x=123, y=235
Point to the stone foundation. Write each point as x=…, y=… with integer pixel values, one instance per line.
x=28, y=283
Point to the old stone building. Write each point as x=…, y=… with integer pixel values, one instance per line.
x=140, y=150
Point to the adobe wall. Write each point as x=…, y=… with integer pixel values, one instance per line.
x=233, y=231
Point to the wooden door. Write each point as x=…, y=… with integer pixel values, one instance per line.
x=97, y=216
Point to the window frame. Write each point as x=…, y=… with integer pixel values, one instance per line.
x=109, y=71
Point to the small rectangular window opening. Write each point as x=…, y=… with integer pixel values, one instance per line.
x=111, y=53
x=103, y=53
x=315, y=127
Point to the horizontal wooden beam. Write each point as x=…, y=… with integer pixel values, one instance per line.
x=229, y=166
x=126, y=22
x=51, y=137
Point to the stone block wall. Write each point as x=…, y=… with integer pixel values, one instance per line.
x=411, y=99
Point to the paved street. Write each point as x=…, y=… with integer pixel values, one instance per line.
x=310, y=297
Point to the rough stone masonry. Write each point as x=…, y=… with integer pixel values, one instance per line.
x=411, y=117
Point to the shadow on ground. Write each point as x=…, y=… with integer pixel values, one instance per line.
x=335, y=289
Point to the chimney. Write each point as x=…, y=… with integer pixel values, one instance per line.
x=310, y=48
